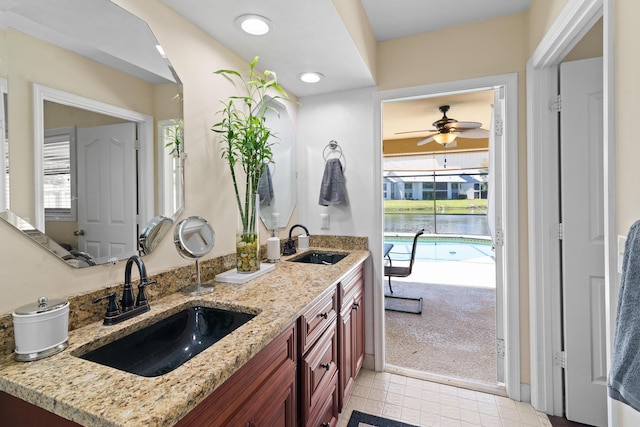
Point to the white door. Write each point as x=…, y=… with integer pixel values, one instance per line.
x=582, y=210
x=107, y=191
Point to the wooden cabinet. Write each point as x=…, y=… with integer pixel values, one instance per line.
x=350, y=333
x=319, y=362
x=262, y=393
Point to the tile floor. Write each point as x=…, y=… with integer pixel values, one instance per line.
x=424, y=403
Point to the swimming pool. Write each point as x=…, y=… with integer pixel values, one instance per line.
x=441, y=249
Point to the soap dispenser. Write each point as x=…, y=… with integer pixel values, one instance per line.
x=273, y=248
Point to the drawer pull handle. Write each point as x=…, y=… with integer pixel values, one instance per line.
x=325, y=366
x=324, y=315
x=356, y=305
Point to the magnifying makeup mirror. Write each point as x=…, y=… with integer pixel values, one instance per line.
x=194, y=238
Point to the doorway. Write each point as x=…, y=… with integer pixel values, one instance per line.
x=548, y=376
x=506, y=223
x=442, y=189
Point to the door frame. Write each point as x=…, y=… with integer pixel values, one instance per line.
x=145, y=142
x=510, y=221
x=574, y=21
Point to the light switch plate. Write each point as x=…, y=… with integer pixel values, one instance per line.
x=324, y=218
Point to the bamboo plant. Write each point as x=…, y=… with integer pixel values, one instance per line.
x=245, y=137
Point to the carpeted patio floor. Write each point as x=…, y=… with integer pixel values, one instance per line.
x=455, y=335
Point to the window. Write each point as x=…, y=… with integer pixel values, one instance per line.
x=59, y=179
x=427, y=191
x=408, y=191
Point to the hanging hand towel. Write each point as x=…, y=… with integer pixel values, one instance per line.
x=332, y=189
x=624, y=377
x=265, y=187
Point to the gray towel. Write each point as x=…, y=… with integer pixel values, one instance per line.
x=332, y=188
x=265, y=187
x=624, y=377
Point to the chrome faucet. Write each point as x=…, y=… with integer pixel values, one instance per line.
x=289, y=244
x=130, y=308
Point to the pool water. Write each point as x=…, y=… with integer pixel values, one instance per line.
x=441, y=249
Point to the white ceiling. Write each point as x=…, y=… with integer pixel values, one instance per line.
x=309, y=35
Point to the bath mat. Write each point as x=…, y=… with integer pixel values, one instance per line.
x=360, y=419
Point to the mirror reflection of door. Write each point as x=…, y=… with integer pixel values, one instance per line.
x=107, y=191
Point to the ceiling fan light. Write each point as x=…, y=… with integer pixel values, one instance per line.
x=444, y=138
x=255, y=25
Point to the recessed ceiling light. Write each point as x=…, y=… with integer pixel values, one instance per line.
x=310, y=77
x=255, y=25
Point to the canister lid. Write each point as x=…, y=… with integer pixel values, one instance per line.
x=40, y=306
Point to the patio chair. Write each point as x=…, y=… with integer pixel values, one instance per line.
x=391, y=270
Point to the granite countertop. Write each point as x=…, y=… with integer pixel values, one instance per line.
x=95, y=395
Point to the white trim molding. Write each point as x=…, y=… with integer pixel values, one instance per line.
x=509, y=215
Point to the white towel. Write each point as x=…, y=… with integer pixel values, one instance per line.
x=332, y=188
x=624, y=377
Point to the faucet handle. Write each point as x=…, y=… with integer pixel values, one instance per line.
x=141, y=299
x=112, y=306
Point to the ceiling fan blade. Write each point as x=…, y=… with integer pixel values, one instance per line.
x=463, y=125
x=477, y=133
x=426, y=140
x=415, y=131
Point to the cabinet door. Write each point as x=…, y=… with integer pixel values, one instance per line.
x=357, y=332
x=263, y=389
x=346, y=375
x=278, y=410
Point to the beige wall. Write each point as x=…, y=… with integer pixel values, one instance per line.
x=627, y=109
x=542, y=14
x=355, y=19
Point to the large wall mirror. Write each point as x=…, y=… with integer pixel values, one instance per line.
x=92, y=119
x=277, y=187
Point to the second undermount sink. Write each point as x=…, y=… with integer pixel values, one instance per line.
x=319, y=257
x=163, y=346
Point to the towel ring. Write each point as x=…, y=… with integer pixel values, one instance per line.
x=333, y=149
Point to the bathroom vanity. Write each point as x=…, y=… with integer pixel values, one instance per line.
x=292, y=364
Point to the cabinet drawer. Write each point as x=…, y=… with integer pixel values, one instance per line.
x=314, y=321
x=318, y=369
x=326, y=415
x=351, y=283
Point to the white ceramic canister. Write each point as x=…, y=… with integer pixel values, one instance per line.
x=41, y=329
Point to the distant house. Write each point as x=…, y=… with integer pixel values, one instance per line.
x=441, y=176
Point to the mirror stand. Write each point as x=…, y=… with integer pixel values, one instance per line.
x=199, y=288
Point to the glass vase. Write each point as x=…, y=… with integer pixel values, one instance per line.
x=248, y=237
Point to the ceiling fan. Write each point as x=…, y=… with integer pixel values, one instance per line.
x=447, y=129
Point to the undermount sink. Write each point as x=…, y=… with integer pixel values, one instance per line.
x=162, y=347
x=319, y=257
